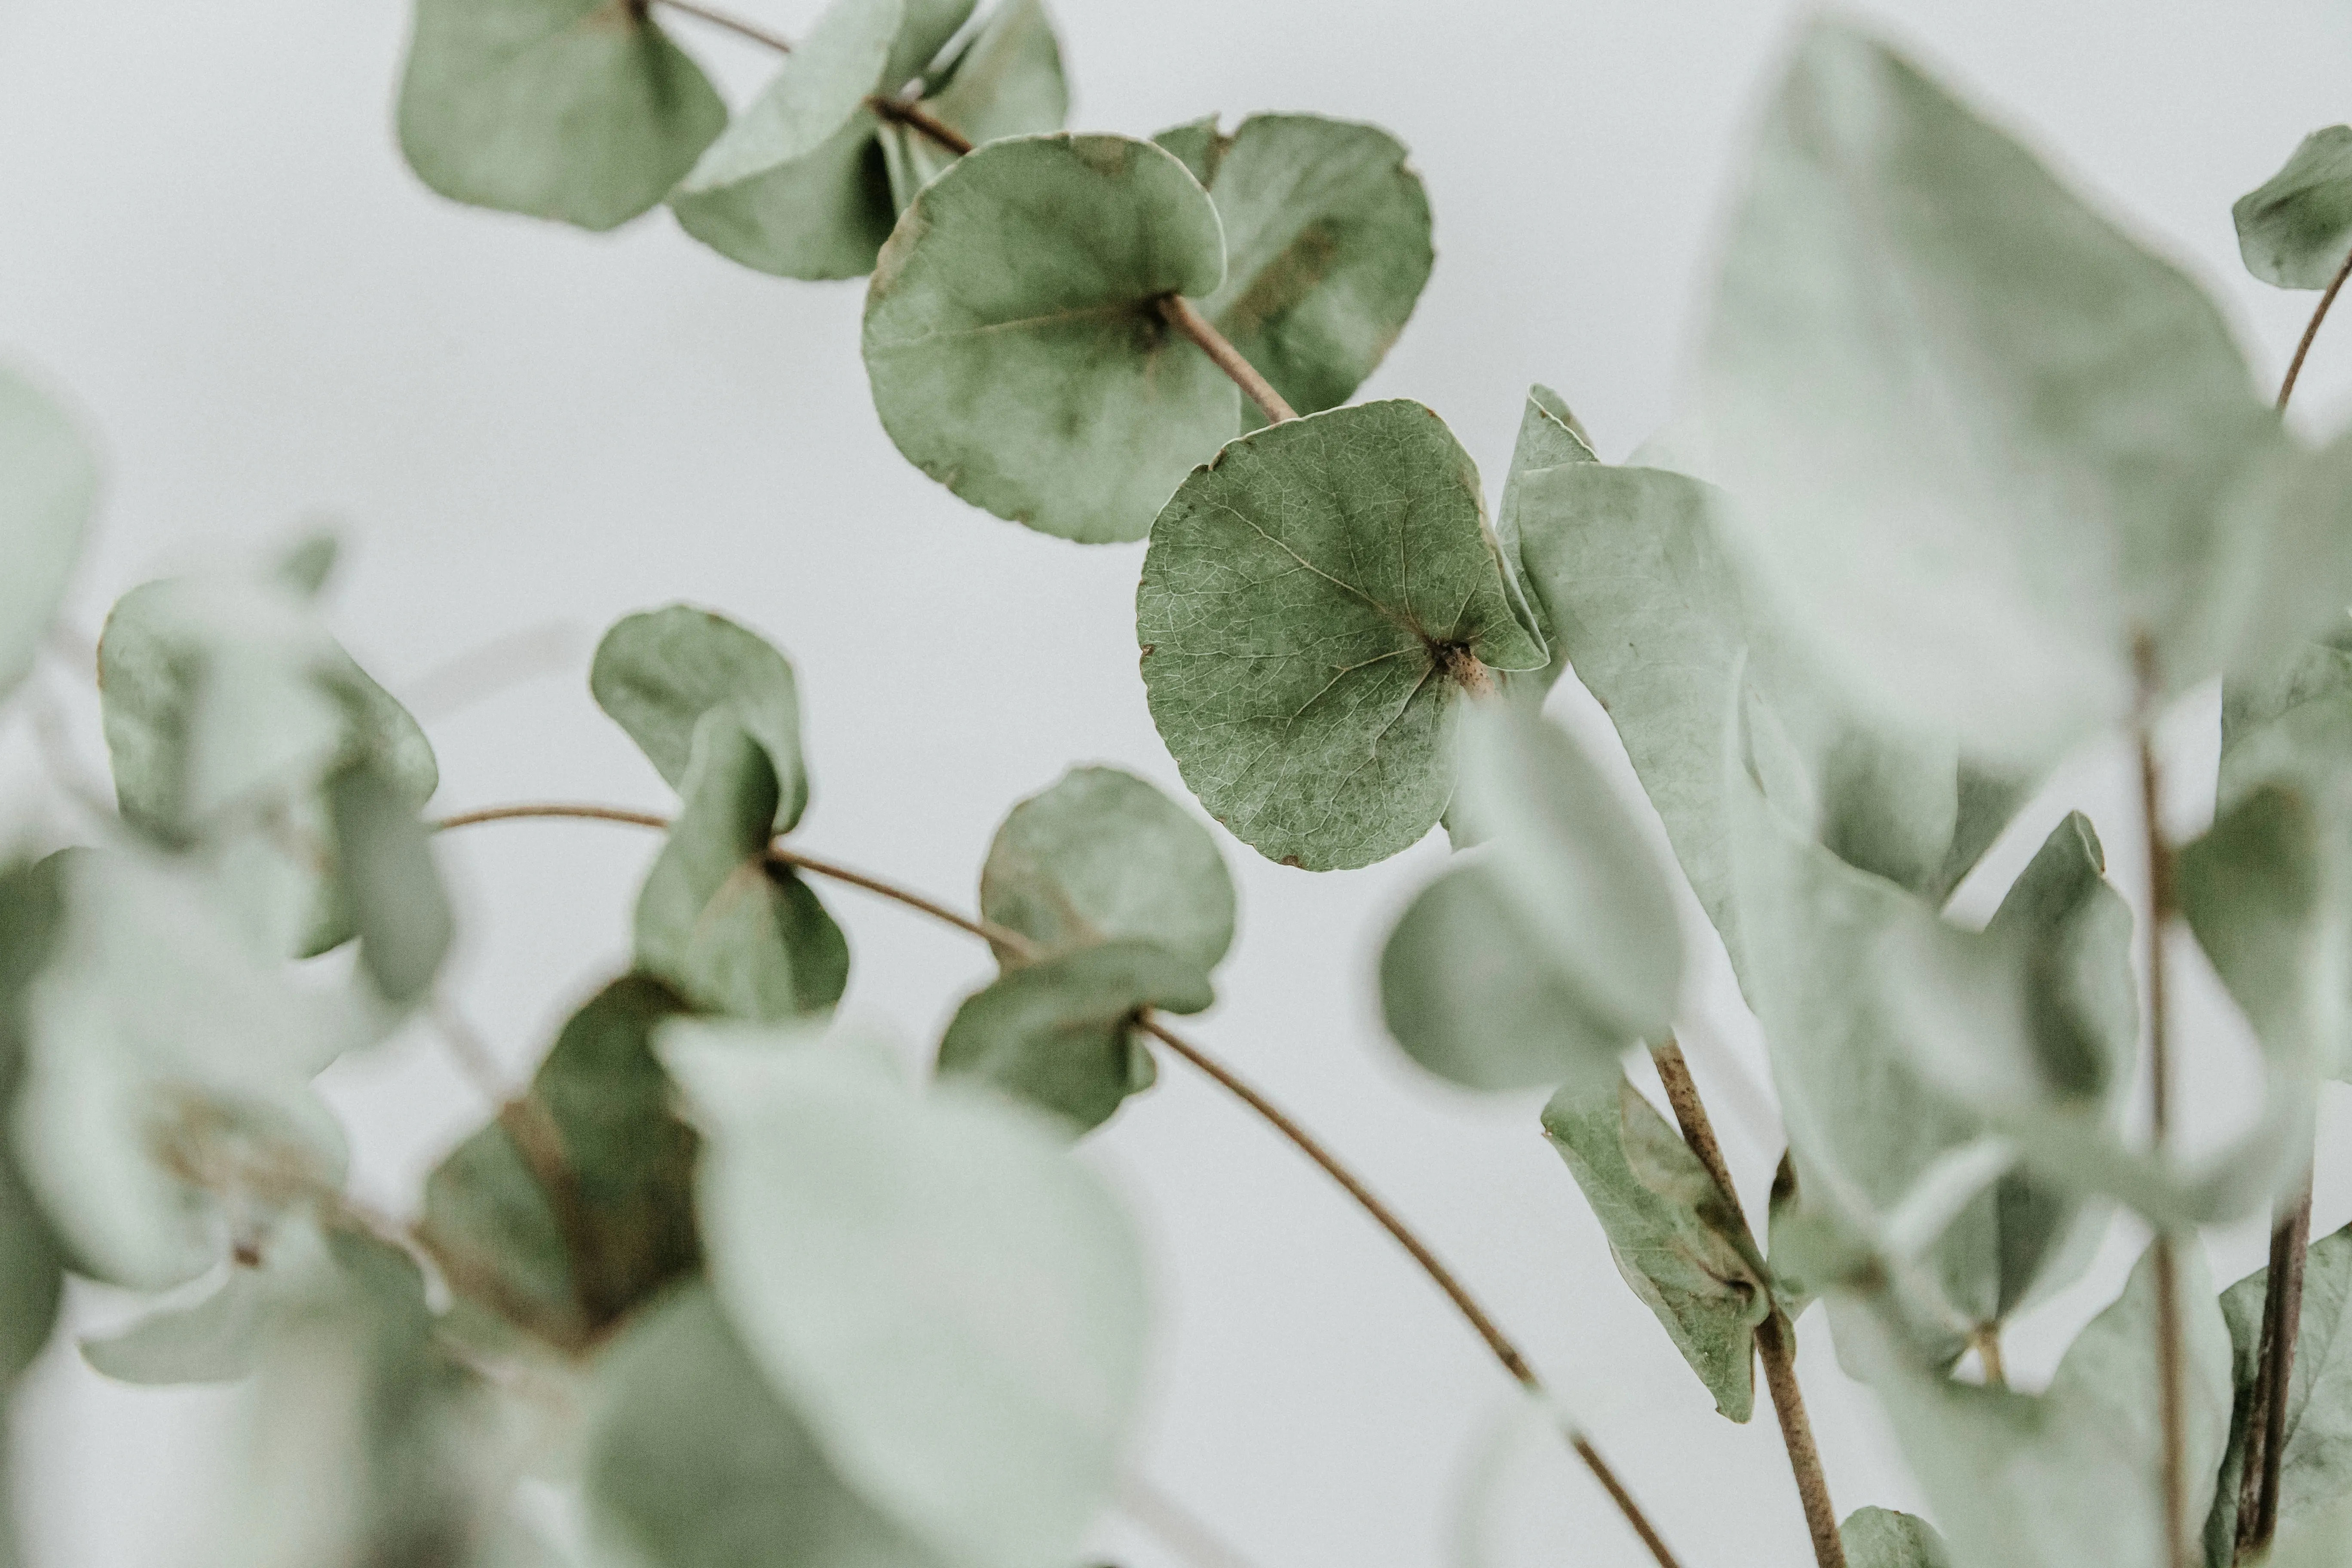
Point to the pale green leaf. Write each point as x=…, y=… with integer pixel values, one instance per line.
x=579, y=1202
x=48, y=484
x=955, y=1308
x=577, y=110
x=32, y=915
x=2323, y=1541
x=386, y=872
x=210, y=1340
x=1550, y=437
x=656, y=673
x=1315, y=606
x=1014, y=340
x=1059, y=1034
x=733, y=932
x=2073, y=1475
x=1198, y=145
x=694, y=1461
x=2315, y=1465
x=1005, y=81
x=2294, y=229
x=1326, y=248
x=1982, y=440
x=1881, y=1538
x=1677, y=1240
x=1102, y=856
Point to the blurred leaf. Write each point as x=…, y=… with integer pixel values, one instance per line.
x=385, y=870
x=2323, y=1542
x=1881, y=1538
x=2315, y=1465
x=954, y=1309
x=1542, y=961
x=32, y=917
x=2071, y=1475
x=581, y=111
x=1104, y=856
x=694, y=1462
x=2268, y=905
x=210, y=1340
x=1981, y=439
x=2294, y=229
x=659, y=672
x=1014, y=341
x=1059, y=1034
x=1314, y=605
x=48, y=486
x=732, y=931
x=1326, y=248
x=1677, y=1240
x=597, y=1128
x=1198, y=145
x=1006, y=80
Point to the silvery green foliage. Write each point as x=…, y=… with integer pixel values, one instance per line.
x=2315, y=1465
x=2294, y=229
x=49, y=483
x=1881, y=1538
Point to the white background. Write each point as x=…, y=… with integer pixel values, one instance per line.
x=208, y=241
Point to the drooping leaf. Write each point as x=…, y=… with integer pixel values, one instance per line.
x=694, y=1461
x=577, y=1204
x=581, y=111
x=2072, y=1474
x=1991, y=447
x=1104, y=856
x=1006, y=80
x=1678, y=1241
x=954, y=1309
x=385, y=874
x=1014, y=339
x=731, y=931
x=1540, y=962
x=1881, y=1538
x=48, y=484
x=210, y=1340
x=1059, y=1033
x=1326, y=248
x=2316, y=1464
x=1315, y=605
x=2294, y=229
x=656, y=673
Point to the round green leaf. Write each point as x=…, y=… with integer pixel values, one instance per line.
x=1014, y=340
x=1881, y=1538
x=2294, y=229
x=656, y=673
x=577, y=110
x=1103, y=855
x=48, y=481
x=1315, y=605
x=955, y=1307
x=1059, y=1034
x=1326, y=248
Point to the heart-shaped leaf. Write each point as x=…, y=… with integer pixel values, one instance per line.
x=1315, y=605
x=49, y=483
x=1326, y=248
x=577, y=110
x=2294, y=229
x=1014, y=339
x=656, y=673
x=953, y=1307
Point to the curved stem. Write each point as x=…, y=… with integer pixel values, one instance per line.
x=1776, y=1336
x=915, y=117
x=2319, y=314
x=1305, y=1142
x=1186, y=317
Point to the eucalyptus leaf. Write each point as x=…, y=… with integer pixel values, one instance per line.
x=2322, y=1541
x=1677, y=1238
x=1104, y=856
x=2072, y=1474
x=1014, y=339
x=581, y=111
x=1881, y=1538
x=1059, y=1034
x=694, y=1461
x=32, y=917
x=385, y=871
x=731, y=931
x=1005, y=80
x=1315, y=605
x=2315, y=1465
x=2294, y=229
x=48, y=486
x=955, y=1309
x=1550, y=437
x=1980, y=438
x=1327, y=248
x=659, y=672
x=210, y=1340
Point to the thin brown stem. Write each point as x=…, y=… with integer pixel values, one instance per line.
x=2171, y=1393
x=2319, y=314
x=735, y=24
x=1776, y=1337
x=1986, y=1341
x=915, y=117
x=2258, y=1497
x=1186, y=317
